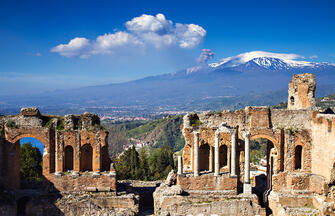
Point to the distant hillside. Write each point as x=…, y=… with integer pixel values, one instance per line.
x=234, y=82
x=156, y=133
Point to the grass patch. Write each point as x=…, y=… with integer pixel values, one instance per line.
x=60, y=124
x=11, y=124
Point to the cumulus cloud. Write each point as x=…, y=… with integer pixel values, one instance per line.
x=162, y=32
x=189, y=35
x=76, y=47
x=109, y=43
x=145, y=30
x=148, y=23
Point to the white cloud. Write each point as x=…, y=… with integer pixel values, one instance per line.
x=144, y=30
x=158, y=41
x=160, y=32
x=148, y=23
x=314, y=57
x=189, y=35
x=76, y=47
x=109, y=43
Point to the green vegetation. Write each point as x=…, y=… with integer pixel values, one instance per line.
x=60, y=124
x=148, y=164
x=258, y=149
x=30, y=163
x=48, y=124
x=194, y=120
x=11, y=124
x=157, y=133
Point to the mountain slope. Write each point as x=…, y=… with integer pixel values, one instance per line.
x=246, y=77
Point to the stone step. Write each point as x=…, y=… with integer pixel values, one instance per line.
x=301, y=211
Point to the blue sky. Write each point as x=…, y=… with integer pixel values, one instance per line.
x=34, y=142
x=114, y=42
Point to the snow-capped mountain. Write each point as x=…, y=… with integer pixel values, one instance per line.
x=267, y=60
x=233, y=82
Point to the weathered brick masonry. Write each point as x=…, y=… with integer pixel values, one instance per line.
x=75, y=153
x=300, y=154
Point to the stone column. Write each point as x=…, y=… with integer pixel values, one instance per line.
x=247, y=185
x=233, y=154
x=180, y=165
x=216, y=156
x=196, y=153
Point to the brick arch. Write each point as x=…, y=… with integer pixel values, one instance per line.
x=13, y=137
x=36, y=136
x=265, y=136
x=303, y=139
x=276, y=145
x=224, y=139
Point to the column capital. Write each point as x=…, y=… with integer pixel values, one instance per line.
x=233, y=132
x=246, y=134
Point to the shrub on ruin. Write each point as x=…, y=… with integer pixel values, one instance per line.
x=30, y=163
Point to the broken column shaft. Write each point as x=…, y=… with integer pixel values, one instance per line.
x=216, y=156
x=180, y=165
x=233, y=154
x=196, y=153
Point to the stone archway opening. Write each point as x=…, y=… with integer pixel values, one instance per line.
x=105, y=159
x=86, y=158
x=263, y=157
x=30, y=159
x=223, y=155
x=298, y=157
x=204, y=153
x=68, y=158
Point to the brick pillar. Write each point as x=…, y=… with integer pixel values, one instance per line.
x=59, y=152
x=76, y=152
x=96, y=153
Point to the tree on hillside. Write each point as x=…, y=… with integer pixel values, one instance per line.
x=161, y=162
x=30, y=162
x=144, y=166
x=133, y=165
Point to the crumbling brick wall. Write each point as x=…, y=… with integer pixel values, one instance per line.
x=323, y=145
x=56, y=133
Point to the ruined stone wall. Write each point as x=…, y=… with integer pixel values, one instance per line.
x=85, y=182
x=291, y=119
x=252, y=117
x=208, y=181
x=69, y=203
x=301, y=90
x=323, y=142
x=261, y=122
x=171, y=201
x=56, y=133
